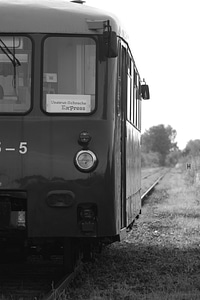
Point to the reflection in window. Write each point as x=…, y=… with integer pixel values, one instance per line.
x=15, y=74
x=69, y=75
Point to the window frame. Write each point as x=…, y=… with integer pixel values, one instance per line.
x=54, y=35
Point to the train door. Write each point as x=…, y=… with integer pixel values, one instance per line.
x=123, y=96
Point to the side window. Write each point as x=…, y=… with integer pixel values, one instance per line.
x=135, y=97
x=129, y=88
x=132, y=92
x=136, y=101
x=15, y=74
x=69, y=75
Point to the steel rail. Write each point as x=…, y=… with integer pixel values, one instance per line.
x=147, y=192
x=59, y=291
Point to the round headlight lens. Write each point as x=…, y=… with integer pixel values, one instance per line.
x=85, y=160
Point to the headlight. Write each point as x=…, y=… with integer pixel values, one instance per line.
x=85, y=160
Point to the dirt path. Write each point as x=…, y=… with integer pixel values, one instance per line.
x=160, y=259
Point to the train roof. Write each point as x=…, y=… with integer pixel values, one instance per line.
x=48, y=16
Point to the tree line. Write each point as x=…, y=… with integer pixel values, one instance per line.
x=159, y=147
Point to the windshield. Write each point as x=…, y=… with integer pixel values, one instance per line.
x=15, y=74
x=69, y=75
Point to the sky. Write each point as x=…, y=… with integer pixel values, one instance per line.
x=165, y=42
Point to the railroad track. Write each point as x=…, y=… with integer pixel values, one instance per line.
x=149, y=190
x=31, y=279
x=59, y=291
x=35, y=280
x=38, y=279
x=150, y=179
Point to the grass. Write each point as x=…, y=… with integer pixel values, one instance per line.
x=160, y=259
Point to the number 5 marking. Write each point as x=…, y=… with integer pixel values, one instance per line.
x=23, y=147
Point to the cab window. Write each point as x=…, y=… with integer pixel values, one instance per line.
x=69, y=71
x=15, y=74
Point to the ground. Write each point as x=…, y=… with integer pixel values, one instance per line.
x=160, y=258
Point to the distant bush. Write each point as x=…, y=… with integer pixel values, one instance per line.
x=159, y=139
x=173, y=158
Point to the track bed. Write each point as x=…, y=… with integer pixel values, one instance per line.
x=29, y=280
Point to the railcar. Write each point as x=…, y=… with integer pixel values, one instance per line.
x=70, y=122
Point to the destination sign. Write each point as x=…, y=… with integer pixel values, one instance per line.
x=59, y=103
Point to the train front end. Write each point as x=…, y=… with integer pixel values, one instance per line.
x=56, y=138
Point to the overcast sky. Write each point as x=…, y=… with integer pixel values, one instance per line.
x=165, y=43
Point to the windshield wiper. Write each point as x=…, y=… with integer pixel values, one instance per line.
x=9, y=54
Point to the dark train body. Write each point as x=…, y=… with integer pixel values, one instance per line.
x=69, y=123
